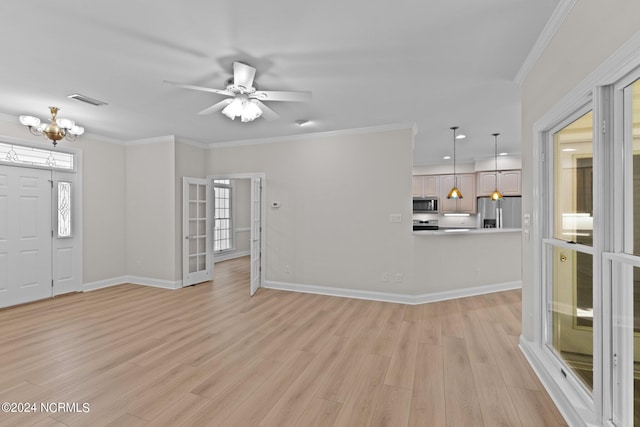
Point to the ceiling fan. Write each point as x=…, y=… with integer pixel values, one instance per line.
x=245, y=100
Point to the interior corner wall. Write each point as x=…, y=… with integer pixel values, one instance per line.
x=592, y=32
x=190, y=161
x=335, y=196
x=151, y=210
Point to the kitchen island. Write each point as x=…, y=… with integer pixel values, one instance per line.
x=468, y=261
x=458, y=231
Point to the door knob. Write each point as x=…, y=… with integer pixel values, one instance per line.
x=563, y=257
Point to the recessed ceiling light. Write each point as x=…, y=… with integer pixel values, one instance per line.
x=446, y=157
x=503, y=154
x=461, y=136
x=569, y=149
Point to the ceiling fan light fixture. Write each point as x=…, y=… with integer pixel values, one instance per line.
x=234, y=109
x=250, y=112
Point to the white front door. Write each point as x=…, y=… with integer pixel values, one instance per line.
x=25, y=235
x=256, y=233
x=197, y=260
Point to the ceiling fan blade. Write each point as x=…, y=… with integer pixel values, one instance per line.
x=243, y=75
x=216, y=107
x=200, y=88
x=267, y=112
x=279, y=95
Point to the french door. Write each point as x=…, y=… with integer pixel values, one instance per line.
x=256, y=233
x=197, y=259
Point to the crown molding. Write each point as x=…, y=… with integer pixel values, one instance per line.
x=152, y=140
x=550, y=29
x=317, y=135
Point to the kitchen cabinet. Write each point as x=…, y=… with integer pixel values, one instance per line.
x=466, y=185
x=426, y=186
x=509, y=183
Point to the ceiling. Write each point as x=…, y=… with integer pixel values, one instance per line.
x=367, y=62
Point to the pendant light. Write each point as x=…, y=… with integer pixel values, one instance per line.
x=496, y=195
x=454, y=193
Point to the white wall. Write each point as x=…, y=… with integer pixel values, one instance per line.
x=332, y=229
x=591, y=33
x=151, y=209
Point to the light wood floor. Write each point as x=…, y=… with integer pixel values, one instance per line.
x=211, y=355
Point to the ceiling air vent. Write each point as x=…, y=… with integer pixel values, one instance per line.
x=87, y=99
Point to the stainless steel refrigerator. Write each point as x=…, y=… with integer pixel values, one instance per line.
x=504, y=213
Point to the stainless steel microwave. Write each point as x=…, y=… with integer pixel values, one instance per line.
x=425, y=205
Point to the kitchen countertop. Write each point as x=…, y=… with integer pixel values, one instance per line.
x=457, y=231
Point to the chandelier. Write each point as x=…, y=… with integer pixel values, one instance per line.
x=54, y=131
x=455, y=192
x=496, y=195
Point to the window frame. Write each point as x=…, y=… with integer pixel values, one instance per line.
x=231, y=238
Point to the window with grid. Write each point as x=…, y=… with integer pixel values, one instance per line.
x=222, y=224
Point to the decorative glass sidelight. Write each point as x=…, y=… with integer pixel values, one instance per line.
x=64, y=209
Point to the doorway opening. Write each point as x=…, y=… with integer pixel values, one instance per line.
x=237, y=214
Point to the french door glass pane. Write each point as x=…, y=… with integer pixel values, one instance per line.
x=573, y=181
x=572, y=312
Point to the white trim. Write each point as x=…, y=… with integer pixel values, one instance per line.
x=550, y=29
x=230, y=255
x=153, y=140
x=191, y=142
x=242, y=229
x=106, y=283
x=316, y=135
x=156, y=283
x=563, y=395
x=134, y=280
x=391, y=297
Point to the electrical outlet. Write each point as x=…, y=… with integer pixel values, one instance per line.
x=287, y=269
x=398, y=277
x=384, y=277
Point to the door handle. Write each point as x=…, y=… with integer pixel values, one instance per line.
x=563, y=257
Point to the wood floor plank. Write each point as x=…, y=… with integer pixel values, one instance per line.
x=428, y=400
x=495, y=400
x=359, y=406
x=212, y=355
x=461, y=397
x=392, y=407
x=320, y=413
x=403, y=360
x=294, y=401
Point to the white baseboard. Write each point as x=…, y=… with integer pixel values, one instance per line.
x=136, y=280
x=230, y=255
x=391, y=297
x=156, y=283
x=569, y=406
x=106, y=283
